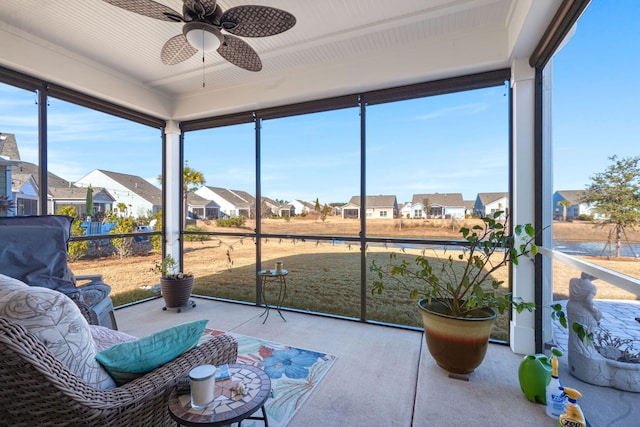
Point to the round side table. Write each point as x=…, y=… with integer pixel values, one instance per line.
x=227, y=406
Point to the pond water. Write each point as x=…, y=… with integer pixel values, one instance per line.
x=596, y=248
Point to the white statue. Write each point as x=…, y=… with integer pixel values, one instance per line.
x=585, y=362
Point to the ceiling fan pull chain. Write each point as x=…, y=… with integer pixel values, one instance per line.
x=202, y=57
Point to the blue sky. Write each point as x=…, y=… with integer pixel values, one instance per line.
x=417, y=146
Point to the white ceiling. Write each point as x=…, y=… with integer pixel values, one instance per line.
x=337, y=47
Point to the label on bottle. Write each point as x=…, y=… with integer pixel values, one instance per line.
x=567, y=422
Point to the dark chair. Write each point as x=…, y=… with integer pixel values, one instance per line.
x=33, y=249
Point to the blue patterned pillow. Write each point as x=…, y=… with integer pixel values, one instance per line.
x=130, y=360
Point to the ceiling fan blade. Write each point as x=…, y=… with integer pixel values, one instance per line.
x=149, y=8
x=176, y=50
x=256, y=21
x=239, y=53
x=207, y=7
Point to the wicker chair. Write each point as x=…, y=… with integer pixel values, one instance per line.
x=39, y=390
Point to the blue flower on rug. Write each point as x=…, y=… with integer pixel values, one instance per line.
x=292, y=362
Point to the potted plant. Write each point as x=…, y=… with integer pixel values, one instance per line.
x=458, y=296
x=175, y=285
x=6, y=205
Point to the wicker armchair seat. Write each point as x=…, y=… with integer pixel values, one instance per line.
x=38, y=390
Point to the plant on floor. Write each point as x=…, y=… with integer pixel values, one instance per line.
x=460, y=281
x=169, y=269
x=458, y=296
x=175, y=285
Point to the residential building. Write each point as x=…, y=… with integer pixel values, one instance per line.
x=377, y=207
x=438, y=205
x=489, y=203
x=300, y=207
x=132, y=195
x=405, y=210
x=576, y=205
x=200, y=208
x=232, y=203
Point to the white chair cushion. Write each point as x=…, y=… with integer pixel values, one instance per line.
x=56, y=321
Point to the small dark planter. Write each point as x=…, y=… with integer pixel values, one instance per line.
x=176, y=292
x=458, y=344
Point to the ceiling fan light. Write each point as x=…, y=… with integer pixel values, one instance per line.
x=202, y=36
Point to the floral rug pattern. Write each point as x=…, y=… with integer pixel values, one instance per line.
x=294, y=374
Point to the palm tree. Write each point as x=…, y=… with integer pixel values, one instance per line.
x=565, y=204
x=191, y=181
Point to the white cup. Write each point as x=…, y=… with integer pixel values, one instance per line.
x=203, y=383
x=278, y=267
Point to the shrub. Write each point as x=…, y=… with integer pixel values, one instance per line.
x=123, y=245
x=231, y=222
x=195, y=237
x=585, y=217
x=75, y=250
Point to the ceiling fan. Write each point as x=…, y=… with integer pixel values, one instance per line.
x=204, y=22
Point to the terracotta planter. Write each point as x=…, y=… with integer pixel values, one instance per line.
x=176, y=292
x=457, y=344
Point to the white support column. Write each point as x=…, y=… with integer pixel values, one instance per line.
x=547, y=203
x=173, y=182
x=522, y=326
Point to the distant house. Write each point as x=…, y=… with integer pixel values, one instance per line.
x=577, y=205
x=377, y=207
x=24, y=191
x=138, y=195
x=270, y=207
x=77, y=197
x=5, y=182
x=24, y=181
x=489, y=203
x=468, y=207
x=200, y=208
x=301, y=207
x=232, y=203
x=439, y=205
x=405, y=210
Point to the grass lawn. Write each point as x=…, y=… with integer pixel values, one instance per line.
x=324, y=276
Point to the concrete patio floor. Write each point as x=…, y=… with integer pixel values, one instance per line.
x=385, y=376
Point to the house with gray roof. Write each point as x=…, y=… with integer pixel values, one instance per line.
x=489, y=203
x=377, y=207
x=77, y=197
x=438, y=205
x=301, y=207
x=140, y=197
x=232, y=203
x=577, y=205
x=23, y=179
x=198, y=207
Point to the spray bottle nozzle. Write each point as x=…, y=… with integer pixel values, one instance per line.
x=572, y=394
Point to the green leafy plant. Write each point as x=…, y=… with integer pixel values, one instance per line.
x=238, y=221
x=169, y=269
x=77, y=249
x=6, y=204
x=123, y=245
x=463, y=282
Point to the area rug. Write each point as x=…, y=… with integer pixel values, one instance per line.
x=294, y=374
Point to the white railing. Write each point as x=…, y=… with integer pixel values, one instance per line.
x=628, y=283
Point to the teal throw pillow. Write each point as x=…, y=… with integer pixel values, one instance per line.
x=129, y=360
